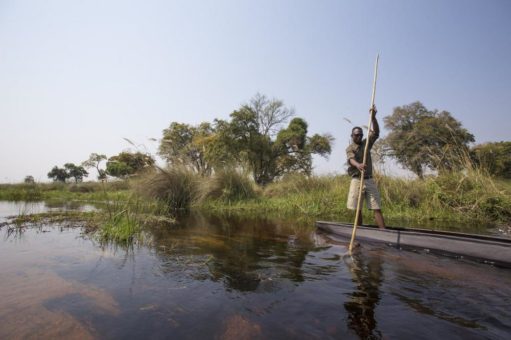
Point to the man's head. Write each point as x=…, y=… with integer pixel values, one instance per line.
x=357, y=134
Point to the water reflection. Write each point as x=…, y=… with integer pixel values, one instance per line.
x=367, y=274
x=216, y=278
x=244, y=255
x=423, y=286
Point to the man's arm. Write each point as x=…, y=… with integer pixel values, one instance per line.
x=359, y=166
x=350, y=155
x=375, y=131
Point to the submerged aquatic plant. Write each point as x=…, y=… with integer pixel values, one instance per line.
x=124, y=221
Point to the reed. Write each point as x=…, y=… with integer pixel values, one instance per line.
x=123, y=221
x=466, y=196
x=178, y=188
x=229, y=186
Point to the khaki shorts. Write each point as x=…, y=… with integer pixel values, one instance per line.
x=369, y=192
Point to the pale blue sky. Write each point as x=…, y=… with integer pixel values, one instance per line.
x=77, y=77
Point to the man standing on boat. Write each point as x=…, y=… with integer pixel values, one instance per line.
x=355, y=155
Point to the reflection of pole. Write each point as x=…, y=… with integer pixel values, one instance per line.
x=369, y=126
x=367, y=276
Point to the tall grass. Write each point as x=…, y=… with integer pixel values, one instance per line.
x=295, y=196
x=58, y=190
x=21, y=192
x=180, y=188
x=177, y=187
x=467, y=196
x=123, y=221
x=229, y=186
x=313, y=196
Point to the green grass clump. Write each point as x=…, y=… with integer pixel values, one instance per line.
x=471, y=194
x=461, y=197
x=178, y=188
x=294, y=196
x=123, y=222
x=120, y=228
x=229, y=186
x=313, y=196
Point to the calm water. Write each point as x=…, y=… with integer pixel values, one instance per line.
x=213, y=278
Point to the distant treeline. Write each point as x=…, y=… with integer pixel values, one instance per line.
x=264, y=139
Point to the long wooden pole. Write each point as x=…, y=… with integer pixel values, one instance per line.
x=366, y=148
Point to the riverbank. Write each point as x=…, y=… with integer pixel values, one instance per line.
x=434, y=201
x=115, y=213
x=469, y=198
x=87, y=191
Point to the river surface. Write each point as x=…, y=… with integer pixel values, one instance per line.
x=212, y=278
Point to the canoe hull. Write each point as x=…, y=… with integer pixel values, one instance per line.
x=493, y=250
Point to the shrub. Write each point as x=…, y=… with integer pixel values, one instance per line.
x=179, y=188
x=229, y=186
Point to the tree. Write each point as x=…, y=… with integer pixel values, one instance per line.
x=187, y=145
x=421, y=139
x=253, y=139
x=494, y=157
x=296, y=149
x=29, y=180
x=249, y=139
x=270, y=113
x=93, y=162
x=58, y=174
x=126, y=164
x=77, y=172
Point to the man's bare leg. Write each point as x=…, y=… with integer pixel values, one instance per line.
x=378, y=216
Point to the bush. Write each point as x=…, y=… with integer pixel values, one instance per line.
x=229, y=186
x=179, y=188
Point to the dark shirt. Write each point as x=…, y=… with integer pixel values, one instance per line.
x=356, y=151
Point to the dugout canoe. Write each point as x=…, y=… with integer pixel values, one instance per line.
x=482, y=248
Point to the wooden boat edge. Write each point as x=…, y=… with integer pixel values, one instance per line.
x=481, y=248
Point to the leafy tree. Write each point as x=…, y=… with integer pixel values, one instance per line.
x=77, y=172
x=296, y=149
x=127, y=163
x=253, y=139
x=187, y=145
x=93, y=162
x=249, y=139
x=29, y=179
x=58, y=174
x=494, y=157
x=421, y=139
